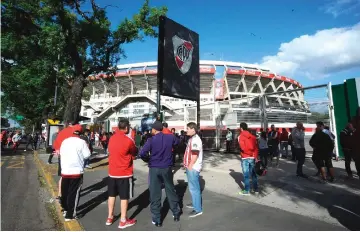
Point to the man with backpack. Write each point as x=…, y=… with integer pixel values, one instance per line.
x=249, y=155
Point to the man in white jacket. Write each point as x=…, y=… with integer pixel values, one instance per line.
x=73, y=151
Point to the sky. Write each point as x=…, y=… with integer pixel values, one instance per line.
x=314, y=42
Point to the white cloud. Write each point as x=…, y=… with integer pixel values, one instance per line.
x=318, y=55
x=340, y=7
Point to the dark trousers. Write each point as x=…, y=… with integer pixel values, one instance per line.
x=70, y=191
x=300, y=156
x=228, y=145
x=264, y=156
x=348, y=156
x=293, y=153
x=157, y=177
x=29, y=143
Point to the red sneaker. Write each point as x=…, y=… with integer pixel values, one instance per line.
x=127, y=223
x=109, y=221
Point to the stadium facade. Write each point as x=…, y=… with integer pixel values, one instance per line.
x=227, y=88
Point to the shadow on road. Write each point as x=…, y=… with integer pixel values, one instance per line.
x=95, y=187
x=341, y=199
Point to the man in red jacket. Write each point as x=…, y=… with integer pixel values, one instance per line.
x=122, y=151
x=249, y=154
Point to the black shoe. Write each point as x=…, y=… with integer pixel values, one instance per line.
x=302, y=175
x=157, y=224
x=176, y=218
x=194, y=213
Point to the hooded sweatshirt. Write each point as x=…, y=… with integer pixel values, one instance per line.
x=248, y=145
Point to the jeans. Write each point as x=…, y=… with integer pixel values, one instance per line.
x=284, y=145
x=194, y=188
x=248, y=167
x=86, y=162
x=157, y=177
x=300, y=156
x=228, y=145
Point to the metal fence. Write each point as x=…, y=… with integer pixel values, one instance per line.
x=283, y=109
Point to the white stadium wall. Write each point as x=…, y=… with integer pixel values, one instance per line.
x=131, y=92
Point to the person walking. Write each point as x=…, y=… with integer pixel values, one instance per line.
x=73, y=152
x=298, y=137
x=29, y=141
x=160, y=162
x=249, y=154
x=122, y=151
x=229, y=139
x=193, y=161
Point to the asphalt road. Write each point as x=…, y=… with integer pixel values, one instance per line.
x=22, y=198
x=220, y=212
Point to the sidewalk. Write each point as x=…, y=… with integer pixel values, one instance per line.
x=337, y=203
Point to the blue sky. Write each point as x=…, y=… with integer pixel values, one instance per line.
x=225, y=29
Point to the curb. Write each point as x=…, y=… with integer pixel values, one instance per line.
x=73, y=225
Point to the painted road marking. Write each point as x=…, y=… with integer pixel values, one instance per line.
x=16, y=164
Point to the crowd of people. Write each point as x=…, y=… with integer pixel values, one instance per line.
x=159, y=147
x=12, y=139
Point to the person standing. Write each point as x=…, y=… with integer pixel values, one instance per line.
x=345, y=142
x=298, y=137
x=229, y=139
x=323, y=146
x=249, y=154
x=291, y=144
x=53, y=138
x=97, y=139
x=122, y=151
x=73, y=151
x=86, y=138
x=161, y=147
x=263, y=149
x=284, y=139
x=193, y=159
x=273, y=143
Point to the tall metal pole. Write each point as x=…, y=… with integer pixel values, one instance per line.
x=160, y=64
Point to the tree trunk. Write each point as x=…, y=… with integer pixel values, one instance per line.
x=73, y=105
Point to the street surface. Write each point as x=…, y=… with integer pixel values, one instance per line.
x=22, y=198
x=220, y=212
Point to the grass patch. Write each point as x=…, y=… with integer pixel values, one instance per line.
x=51, y=209
x=41, y=179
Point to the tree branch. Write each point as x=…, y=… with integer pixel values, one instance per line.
x=105, y=66
x=77, y=6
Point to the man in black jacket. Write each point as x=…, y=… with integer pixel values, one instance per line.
x=323, y=147
x=345, y=142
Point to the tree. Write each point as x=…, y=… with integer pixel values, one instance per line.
x=28, y=61
x=84, y=39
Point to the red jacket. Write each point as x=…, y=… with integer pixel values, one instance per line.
x=248, y=145
x=121, y=154
x=284, y=136
x=166, y=131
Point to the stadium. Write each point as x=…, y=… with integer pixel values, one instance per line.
x=229, y=94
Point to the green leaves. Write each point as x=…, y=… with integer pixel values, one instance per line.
x=47, y=39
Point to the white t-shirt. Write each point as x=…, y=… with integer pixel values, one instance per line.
x=194, y=144
x=97, y=136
